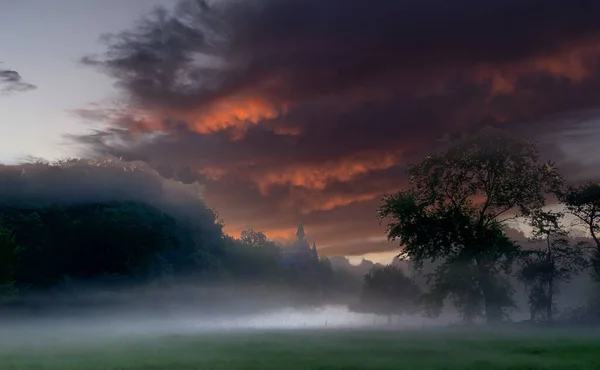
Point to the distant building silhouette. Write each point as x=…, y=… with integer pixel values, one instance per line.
x=300, y=253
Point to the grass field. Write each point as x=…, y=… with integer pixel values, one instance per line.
x=342, y=349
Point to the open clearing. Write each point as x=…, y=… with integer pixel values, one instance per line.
x=317, y=349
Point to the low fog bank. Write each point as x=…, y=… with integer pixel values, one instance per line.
x=188, y=322
x=131, y=326
x=155, y=300
x=118, y=329
x=216, y=306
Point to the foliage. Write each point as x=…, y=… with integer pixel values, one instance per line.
x=457, y=205
x=254, y=239
x=253, y=257
x=9, y=256
x=388, y=291
x=9, y=262
x=87, y=241
x=457, y=282
x=106, y=220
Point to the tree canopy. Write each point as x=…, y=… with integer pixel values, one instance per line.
x=457, y=205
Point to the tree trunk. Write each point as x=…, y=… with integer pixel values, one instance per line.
x=493, y=311
x=550, y=283
x=595, y=262
x=549, y=303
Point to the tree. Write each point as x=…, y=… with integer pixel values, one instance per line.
x=255, y=239
x=545, y=269
x=253, y=257
x=457, y=205
x=388, y=291
x=9, y=260
x=583, y=202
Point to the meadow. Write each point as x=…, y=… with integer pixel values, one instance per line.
x=318, y=349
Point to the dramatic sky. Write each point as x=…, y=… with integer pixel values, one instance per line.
x=297, y=109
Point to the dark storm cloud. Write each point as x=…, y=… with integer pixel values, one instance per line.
x=312, y=107
x=11, y=81
x=300, y=49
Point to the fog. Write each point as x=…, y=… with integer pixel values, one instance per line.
x=288, y=318
x=175, y=312
x=76, y=181
x=127, y=323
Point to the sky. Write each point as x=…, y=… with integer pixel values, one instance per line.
x=289, y=110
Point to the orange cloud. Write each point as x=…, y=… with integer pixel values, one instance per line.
x=573, y=62
x=236, y=111
x=312, y=201
x=330, y=202
x=576, y=64
x=317, y=176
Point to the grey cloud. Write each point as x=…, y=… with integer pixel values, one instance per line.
x=11, y=82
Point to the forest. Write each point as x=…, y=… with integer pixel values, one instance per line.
x=76, y=226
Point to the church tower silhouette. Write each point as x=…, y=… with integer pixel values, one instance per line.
x=300, y=233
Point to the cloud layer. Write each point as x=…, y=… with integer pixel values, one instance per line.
x=313, y=108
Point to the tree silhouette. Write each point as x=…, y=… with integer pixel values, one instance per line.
x=457, y=205
x=388, y=291
x=544, y=270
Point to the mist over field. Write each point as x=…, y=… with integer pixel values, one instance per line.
x=139, y=325
x=98, y=321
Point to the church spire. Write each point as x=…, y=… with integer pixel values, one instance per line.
x=300, y=233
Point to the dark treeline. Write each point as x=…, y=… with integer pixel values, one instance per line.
x=79, y=226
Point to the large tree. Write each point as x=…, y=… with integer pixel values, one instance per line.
x=458, y=203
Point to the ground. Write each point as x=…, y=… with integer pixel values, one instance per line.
x=333, y=349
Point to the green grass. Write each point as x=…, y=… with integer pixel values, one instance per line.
x=320, y=350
